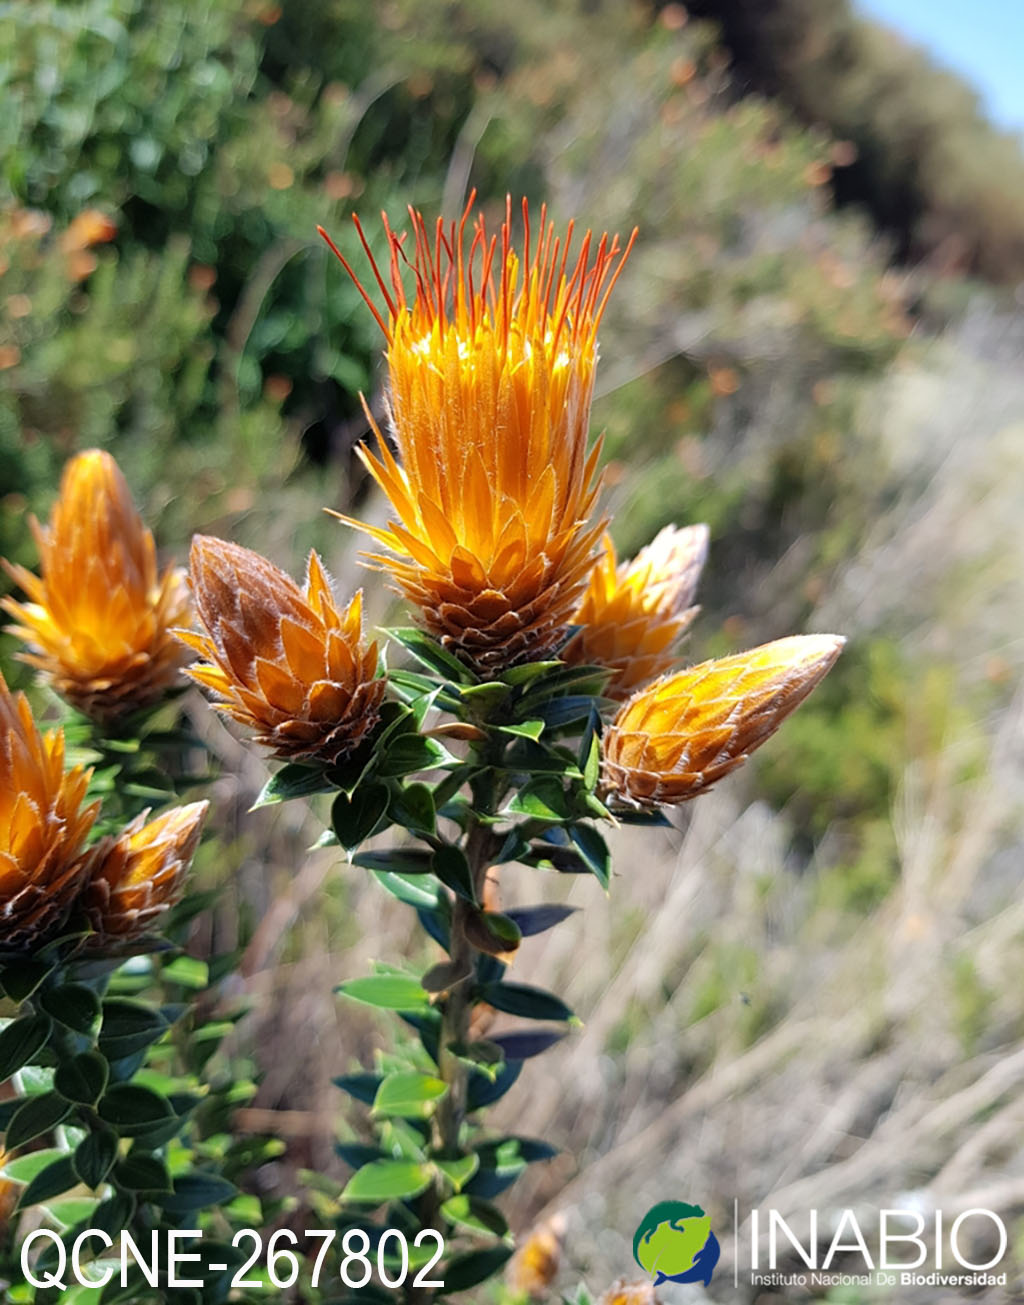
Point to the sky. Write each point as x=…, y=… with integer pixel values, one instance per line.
x=982, y=40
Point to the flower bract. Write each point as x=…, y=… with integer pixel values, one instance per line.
x=491, y=353
x=673, y=739
x=99, y=616
x=288, y=664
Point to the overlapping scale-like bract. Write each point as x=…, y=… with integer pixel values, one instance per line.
x=633, y=614
x=43, y=825
x=672, y=740
x=288, y=664
x=135, y=877
x=490, y=378
x=99, y=617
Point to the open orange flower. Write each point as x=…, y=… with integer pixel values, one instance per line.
x=99, y=616
x=633, y=614
x=675, y=738
x=289, y=665
x=43, y=825
x=491, y=373
x=134, y=878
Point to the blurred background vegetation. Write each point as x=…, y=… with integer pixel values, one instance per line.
x=816, y=349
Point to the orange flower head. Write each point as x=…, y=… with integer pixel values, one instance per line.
x=491, y=364
x=535, y=1264
x=289, y=665
x=134, y=878
x=633, y=614
x=43, y=825
x=98, y=618
x=675, y=738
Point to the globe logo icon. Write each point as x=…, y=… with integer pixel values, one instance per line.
x=674, y=1243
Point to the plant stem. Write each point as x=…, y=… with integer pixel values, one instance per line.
x=480, y=847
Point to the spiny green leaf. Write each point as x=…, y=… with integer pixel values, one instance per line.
x=412, y=753
x=387, y=991
x=355, y=817
x=459, y=1171
x=21, y=1041
x=542, y=798
x=387, y=1180
x=95, y=1156
x=476, y=1214
x=526, y=1001
x=532, y=920
x=83, y=1078
x=469, y=1270
x=408, y=1095
x=72, y=1004
x=399, y=861
x=142, y=1173
x=51, y=1181
x=21, y=978
x=293, y=780
x=430, y=654
x=131, y=1109
x=413, y=808
x=198, y=1191
x=594, y=851
x=451, y=867
x=37, y=1114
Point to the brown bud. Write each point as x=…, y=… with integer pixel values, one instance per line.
x=135, y=877
x=289, y=665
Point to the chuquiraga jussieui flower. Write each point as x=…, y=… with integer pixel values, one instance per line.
x=491, y=356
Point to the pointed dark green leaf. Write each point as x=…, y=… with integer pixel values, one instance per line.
x=529, y=729
x=542, y=798
x=293, y=781
x=51, y=1181
x=412, y=807
x=513, y=1152
x=430, y=654
x=197, y=1191
x=143, y=1173
x=132, y=1109
x=469, y=1270
x=532, y=920
x=128, y=1026
x=355, y=817
x=594, y=851
x=21, y=1041
x=400, y=861
x=561, y=712
x=37, y=1115
x=412, y=753
x=95, y=1156
x=526, y=1001
x=73, y=1005
x=483, y=1090
x=451, y=867
x=528, y=671
x=416, y=890
x=363, y=1087
x=21, y=978
x=83, y=1078
x=521, y=1046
